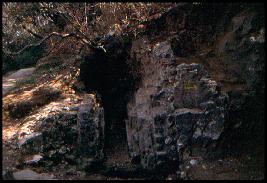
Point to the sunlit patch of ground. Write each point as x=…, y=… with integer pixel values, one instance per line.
x=10, y=80
x=27, y=125
x=19, y=86
x=12, y=126
x=55, y=77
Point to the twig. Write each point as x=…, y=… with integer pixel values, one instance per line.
x=63, y=36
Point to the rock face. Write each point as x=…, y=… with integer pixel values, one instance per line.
x=176, y=108
x=32, y=140
x=34, y=160
x=72, y=135
x=235, y=35
x=91, y=128
x=31, y=175
x=59, y=137
x=242, y=48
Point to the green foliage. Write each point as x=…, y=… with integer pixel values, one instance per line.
x=30, y=57
x=54, y=63
x=24, y=60
x=29, y=80
x=9, y=64
x=189, y=86
x=20, y=109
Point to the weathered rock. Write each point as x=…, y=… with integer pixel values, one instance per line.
x=32, y=141
x=55, y=140
x=31, y=175
x=163, y=50
x=67, y=135
x=193, y=162
x=60, y=136
x=71, y=171
x=70, y=158
x=91, y=128
x=160, y=129
x=34, y=160
x=182, y=45
x=7, y=175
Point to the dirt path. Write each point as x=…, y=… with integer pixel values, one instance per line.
x=10, y=80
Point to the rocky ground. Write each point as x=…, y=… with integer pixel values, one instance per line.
x=36, y=147
x=188, y=113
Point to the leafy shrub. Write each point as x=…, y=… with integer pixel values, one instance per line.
x=24, y=60
x=28, y=80
x=9, y=64
x=46, y=63
x=30, y=57
x=20, y=109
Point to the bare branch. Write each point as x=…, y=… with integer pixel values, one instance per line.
x=31, y=32
x=85, y=14
x=63, y=36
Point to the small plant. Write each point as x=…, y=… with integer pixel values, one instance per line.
x=189, y=85
x=29, y=80
x=40, y=97
x=20, y=109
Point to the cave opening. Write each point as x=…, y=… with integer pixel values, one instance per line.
x=111, y=75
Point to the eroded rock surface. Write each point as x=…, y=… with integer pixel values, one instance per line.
x=31, y=175
x=176, y=107
x=177, y=111
x=91, y=130
x=71, y=136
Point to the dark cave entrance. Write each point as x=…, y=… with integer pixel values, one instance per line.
x=112, y=77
